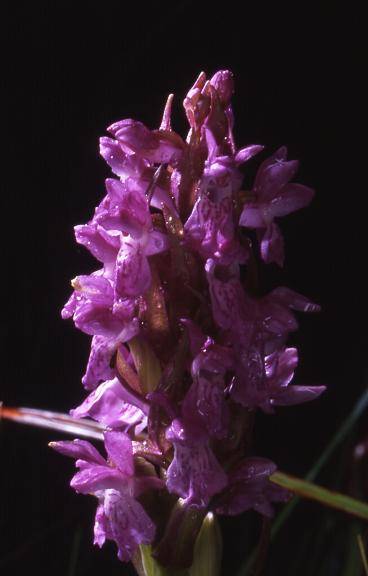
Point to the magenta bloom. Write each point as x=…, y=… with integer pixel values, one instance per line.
x=93, y=310
x=211, y=229
x=183, y=352
x=250, y=487
x=205, y=401
x=273, y=196
x=119, y=517
x=111, y=405
x=194, y=474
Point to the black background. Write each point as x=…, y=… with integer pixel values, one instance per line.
x=66, y=77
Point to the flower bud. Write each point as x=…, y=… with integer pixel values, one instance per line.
x=208, y=549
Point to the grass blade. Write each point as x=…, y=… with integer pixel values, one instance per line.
x=337, y=439
x=363, y=553
x=329, y=498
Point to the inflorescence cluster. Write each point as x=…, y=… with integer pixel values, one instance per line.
x=184, y=347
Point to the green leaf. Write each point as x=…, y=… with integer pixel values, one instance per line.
x=326, y=497
x=335, y=442
x=337, y=439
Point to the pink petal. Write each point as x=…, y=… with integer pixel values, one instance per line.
x=253, y=469
x=107, y=404
x=128, y=204
x=98, y=368
x=298, y=395
x=96, y=288
x=156, y=242
x=98, y=241
x=253, y=216
x=226, y=297
x=274, y=173
x=129, y=524
x=291, y=198
x=134, y=135
x=121, y=163
x=158, y=147
x=245, y=154
x=69, y=307
x=95, y=477
x=194, y=474
x=205, y=402
x=272, y=245
x=280, y=367
x=133, y=274
x=80, y=450
x=223, y=82
x=96, y=319
x=288, y=297
x=119, y=449
x=101, y=528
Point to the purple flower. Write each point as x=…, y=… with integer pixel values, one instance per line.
x=273, y=196
x=102, y=244
x=210, y=229
x=250, y=488
x=124, y=208
x=279, y=368
x=263, y=381
x=205, y=401
x=123, y=221
x=110, y=405
x=105, y=303
x=182, y=350
x=194, y=474
x=122, y=163
x=157, y=146
x=119, y=517
x=136, y=168
x=258, y=330
x=268, y=318
x=93, y=308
